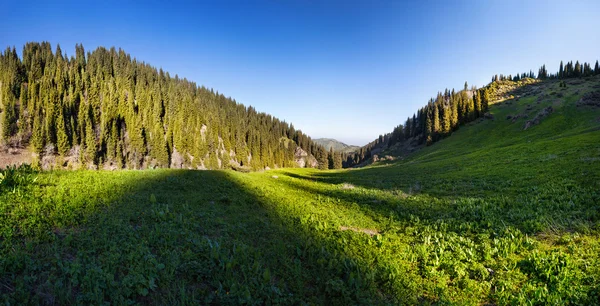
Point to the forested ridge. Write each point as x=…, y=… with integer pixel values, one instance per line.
x=450, y=109
x=105, y=109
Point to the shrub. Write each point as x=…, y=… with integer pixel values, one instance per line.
x=16, y=176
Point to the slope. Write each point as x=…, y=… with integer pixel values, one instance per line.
x=104, y=109
x=494, y=214
x=337, y=146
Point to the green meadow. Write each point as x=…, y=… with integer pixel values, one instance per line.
x=492, y=215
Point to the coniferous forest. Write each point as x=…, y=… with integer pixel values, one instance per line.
x=106, y=109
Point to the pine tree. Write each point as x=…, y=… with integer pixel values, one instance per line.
x=112, y=143
x=436, y=122
x=446, y=120
x=485, y=99
x=561, y=70
x=596, y=68
x=37, y=136
x=337, y=161
x=90, y=144
x=477, y=104
x=62, y=140
x=429, y=128
x=577, y=72
x=454, y=117
x=330, y=158
x=9, y=116
x=322, y=159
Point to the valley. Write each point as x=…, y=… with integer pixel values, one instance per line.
x=500, y=211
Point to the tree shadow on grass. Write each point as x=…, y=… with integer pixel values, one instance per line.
x=561, y=207
x=179, y=237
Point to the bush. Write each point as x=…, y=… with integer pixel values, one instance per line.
x=13, y=177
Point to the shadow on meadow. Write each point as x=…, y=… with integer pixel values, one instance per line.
x=556, y=207
x=173, y=237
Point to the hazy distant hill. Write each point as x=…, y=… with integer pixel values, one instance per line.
x=338, y=146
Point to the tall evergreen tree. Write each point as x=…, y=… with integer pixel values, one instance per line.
x=330, y=158
x=561, y=70
x=62, y=140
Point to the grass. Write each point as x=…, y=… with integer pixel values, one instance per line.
x=493, y=214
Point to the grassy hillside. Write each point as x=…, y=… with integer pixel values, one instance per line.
x=493, y=214
x=337, y=146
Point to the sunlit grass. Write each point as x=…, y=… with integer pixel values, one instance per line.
x=492, y=214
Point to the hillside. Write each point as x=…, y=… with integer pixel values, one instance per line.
x=501, y=212
x=103, y=109
x=337, y=146
x=451, y=110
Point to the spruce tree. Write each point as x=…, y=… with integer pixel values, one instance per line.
x=337, y=160
x=454, y=117
x=477, y=104
x=91, y=148
x=37, y=136
x=330, y=157
x=322, y=159
x=9, y=116
x=561, y=70
x=436, y=122
x=447, y=121
x=429, y=132
x=62, y=140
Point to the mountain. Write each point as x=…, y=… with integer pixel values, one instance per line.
x=105, y=109
x=504, y=210
x=338, y=146
x=452, y=110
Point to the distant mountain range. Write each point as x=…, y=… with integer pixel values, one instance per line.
x=338, y=146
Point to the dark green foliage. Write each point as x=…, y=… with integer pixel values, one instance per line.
x=337, y=160
x=322, y=158
x=62, y=140
x=330, y=158
x=14, y=177
x=125, y=112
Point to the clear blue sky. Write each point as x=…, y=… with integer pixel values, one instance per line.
x=349, y=70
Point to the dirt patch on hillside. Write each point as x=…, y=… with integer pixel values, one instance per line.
x=370, y=232
x=14, y=156
x=590, y=99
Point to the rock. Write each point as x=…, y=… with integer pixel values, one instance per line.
x=590, y=99
x=538, y=118
x=509, y=117
x=275, y=176
x=488, y=116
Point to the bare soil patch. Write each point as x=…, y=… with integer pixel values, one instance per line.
x=370, y=232
x=14, y=156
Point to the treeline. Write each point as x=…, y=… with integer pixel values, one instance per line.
x=106, y=109
x=449, y=110
x=569, y=70
x=436, y=120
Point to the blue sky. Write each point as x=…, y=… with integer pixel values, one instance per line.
x=349, y=70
